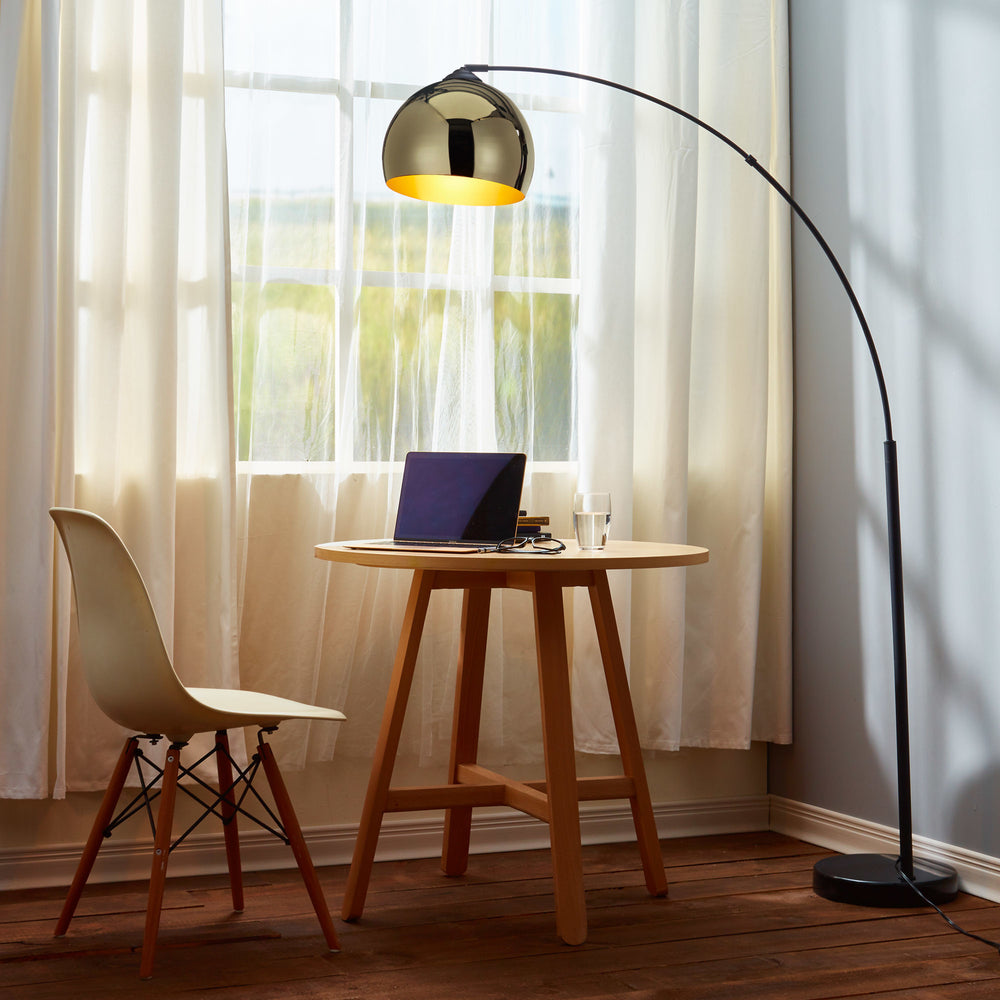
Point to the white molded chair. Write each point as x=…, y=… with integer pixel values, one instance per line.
x=132, y=680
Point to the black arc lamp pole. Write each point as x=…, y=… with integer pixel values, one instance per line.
x=463, y=141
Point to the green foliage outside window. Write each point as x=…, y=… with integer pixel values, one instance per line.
x=288, y=346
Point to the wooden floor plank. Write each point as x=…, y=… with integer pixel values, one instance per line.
x=741, y=923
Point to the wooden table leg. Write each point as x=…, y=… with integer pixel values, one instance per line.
x=388, y=744
x=628, y=737
x=560, y=760
x=465, y=726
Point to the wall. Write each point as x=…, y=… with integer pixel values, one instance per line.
x=895, y=141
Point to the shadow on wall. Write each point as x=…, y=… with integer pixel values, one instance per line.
x=893, y=153
x=930, y=245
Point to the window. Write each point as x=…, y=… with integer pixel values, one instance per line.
x=361, y=320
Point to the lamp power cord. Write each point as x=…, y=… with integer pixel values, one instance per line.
x=951, y=923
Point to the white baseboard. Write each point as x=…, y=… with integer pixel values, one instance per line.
x=412, y=836
x=978, y=874
x=403, y=836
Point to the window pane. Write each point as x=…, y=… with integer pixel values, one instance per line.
x=415, y=43
x=283, y=231
x=534, y=339
x=542, y=34
x=536, y=240
x=286, y=145
x=403, y=236
x=294, y=37
x=285, y=353
x=399, y=345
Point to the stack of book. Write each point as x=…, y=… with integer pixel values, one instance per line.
x=532, y=525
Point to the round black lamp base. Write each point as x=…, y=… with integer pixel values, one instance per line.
x=872, y=880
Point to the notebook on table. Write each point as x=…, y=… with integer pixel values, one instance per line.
x=456, y=501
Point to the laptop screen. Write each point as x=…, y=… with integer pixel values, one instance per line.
x=452, y=496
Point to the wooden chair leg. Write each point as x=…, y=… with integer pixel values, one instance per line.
x=228, y=807
x=97, y=833
x=465, y=726
x=161, y=856
x=297, y=842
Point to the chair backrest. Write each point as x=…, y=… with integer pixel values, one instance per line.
x=126, y=665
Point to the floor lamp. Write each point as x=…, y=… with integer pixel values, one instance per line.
x=461, y=141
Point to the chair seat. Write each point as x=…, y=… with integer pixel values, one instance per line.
x=236, y=707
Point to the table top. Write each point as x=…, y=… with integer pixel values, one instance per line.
x=617, y=555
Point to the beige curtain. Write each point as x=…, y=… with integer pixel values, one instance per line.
x=116, y=338
x=28, y=389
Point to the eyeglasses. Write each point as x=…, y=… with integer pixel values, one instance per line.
x=534, y=545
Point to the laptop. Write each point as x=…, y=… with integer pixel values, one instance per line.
x=456, y=501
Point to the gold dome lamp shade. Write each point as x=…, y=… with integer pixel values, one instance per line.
x=459, y=141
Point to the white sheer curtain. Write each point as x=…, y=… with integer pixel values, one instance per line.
x=685, y=362
x=116, y=354
x=627, y=326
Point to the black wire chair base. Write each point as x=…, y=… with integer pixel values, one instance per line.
x=150, y=774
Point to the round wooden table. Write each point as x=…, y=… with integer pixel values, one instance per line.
x=556, y=799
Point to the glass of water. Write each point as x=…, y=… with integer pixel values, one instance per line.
x=592, y=519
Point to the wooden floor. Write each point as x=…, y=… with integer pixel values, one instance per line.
x=741, y=922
